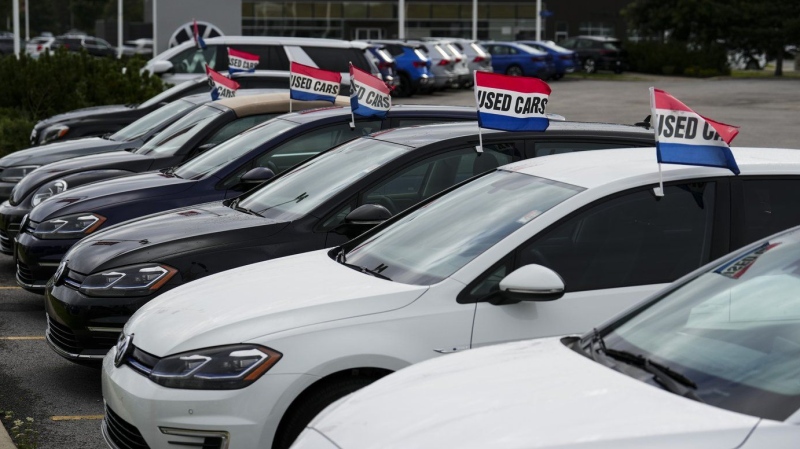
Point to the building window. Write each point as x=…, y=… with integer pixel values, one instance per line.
x=596, y=29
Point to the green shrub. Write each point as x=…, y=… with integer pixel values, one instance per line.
x=677, y=58
x=36, y=89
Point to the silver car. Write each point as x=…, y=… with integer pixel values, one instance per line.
x=442, y=64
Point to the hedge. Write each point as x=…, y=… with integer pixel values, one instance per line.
x=676, y=58
x=36, y=89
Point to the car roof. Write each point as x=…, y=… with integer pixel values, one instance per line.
x=395, y=111
x=417, y=136
x=277, y=40
x=599, y=38
x=638, y=166
x=273, y=102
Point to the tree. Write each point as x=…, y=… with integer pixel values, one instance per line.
x=765, y=26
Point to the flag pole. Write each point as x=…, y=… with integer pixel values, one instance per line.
x=658, y=191
x=479, y=148
x=352, y=91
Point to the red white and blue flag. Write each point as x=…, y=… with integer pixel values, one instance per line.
x=310, y=83
x=511, y=103
x=221, y=86
x=241, y=61
x=198, y=40
x=687, y=138
x=369, y=95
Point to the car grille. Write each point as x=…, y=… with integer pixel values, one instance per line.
x=124, y=435
x=5, y=242
x=62, y=336
x=24, y=274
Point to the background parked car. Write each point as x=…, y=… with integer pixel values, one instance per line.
x=101, y=120
x=598, y=53
x=442, y=64
x=564, y=59
x=95, y=46
x=39, y=45
x=141, y=46
x=477, y=57
x=708, y=362
x=7, y=43
x=520, y=60
x=413, y=67
x=460, y=66
x=385, y=64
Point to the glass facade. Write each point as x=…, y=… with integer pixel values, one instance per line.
x=378, y=19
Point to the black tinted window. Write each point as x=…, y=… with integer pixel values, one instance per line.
x=338, y=59
x=548, y=148
x=270, y=57
x=769, y=206
x=634, y=239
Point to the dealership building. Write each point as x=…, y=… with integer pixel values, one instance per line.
x=497, y=19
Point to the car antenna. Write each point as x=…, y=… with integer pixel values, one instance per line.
x=644, y=123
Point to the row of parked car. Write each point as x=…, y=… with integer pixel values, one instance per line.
x=254, y=266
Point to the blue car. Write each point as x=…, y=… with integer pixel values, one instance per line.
x=520, y=60
x=563, y=58
x=385, y=64
x=413, y=67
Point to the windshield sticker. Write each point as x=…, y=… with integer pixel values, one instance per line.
x=737, y=267
x=529, y=216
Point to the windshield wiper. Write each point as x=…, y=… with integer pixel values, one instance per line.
x=341, y=259
x=672, y=381
x=235, y=206
x=171, y=172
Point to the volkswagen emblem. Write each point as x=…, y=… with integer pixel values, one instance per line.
x=124, y=347
x=60, y=271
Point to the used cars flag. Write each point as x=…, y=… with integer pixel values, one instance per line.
x=241, y=61
x=686, y=137
x=221, y=86
x=369, y=96
x=511, y=103
x=198, y=40
x=310, y=83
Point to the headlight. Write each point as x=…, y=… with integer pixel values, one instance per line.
x=134, y=280
x=220, y=368
x=48, y=190
x=15, y=174
x=69, y=226
x=54, y=132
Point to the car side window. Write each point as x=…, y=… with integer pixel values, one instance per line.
x=406, y=122
x=303, y=147
x=426, y=178
x=194, y=60
x=236, y=127
x=559, y=147
x=512, y=51
x=769, y=206
x=632, y=239
x=270, y=57
x=583, y=43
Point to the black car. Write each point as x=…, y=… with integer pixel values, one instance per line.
x=598, y=53
x=101, y=120
x=18, y=164
x=320, y=203
x=191, y=135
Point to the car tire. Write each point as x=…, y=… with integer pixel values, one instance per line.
x=514, y=70
x=313, y=402
x=404, y=89
x=589, y=65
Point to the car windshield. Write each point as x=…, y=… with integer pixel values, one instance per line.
x=733, y=331
x=434, y=241
x=140, y=127
x=308, y=185
x=171, y=139
x=174, y=90
x=233, y=149
x=529, y=49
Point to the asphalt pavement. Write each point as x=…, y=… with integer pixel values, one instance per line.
x=65, y=400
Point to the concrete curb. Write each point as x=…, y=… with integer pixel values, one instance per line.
x=5, y=439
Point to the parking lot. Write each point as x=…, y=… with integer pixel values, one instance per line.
x=65, y=399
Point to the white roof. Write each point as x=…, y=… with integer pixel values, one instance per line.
x=591, y=169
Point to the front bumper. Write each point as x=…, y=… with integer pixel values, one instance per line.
x=174, y=418
x=10, y=219
x=38, y=259
x=5, y=189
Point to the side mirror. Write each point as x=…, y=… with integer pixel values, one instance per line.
x=530, y=283
x=257, y=175
x=162, y=66
x=361, y=219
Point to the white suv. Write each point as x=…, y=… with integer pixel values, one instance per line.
x=186, y=61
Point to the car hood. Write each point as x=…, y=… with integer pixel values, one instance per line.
x=531, y=394
x=252, y=301
x=115, y=160
x=165, y=234
x=56, y=151
x=94, y=111
x=96, y=196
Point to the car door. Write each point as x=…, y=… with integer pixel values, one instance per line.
x=409, y=184
x=610, y=254
x=500, y=57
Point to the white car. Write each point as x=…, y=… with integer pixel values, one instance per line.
x=248, y=356
x=711, y=362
